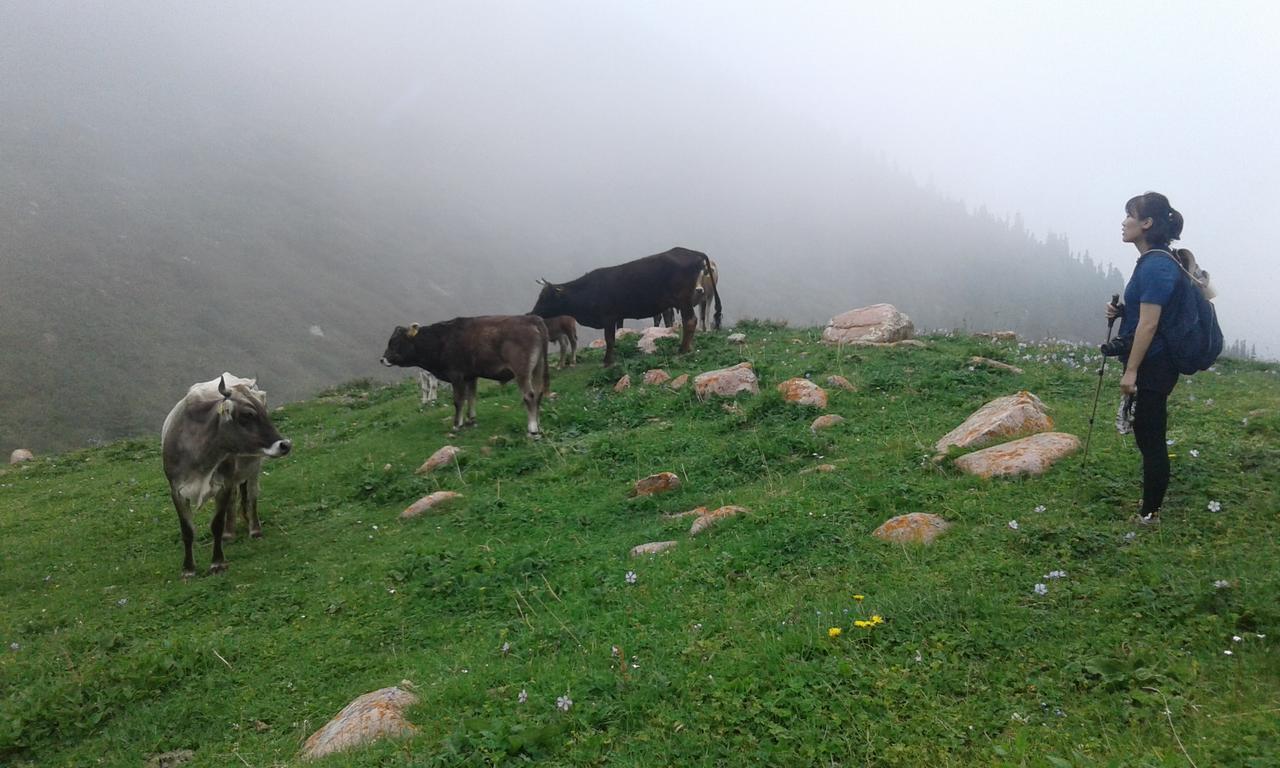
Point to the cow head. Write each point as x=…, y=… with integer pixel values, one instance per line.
x=551, y=300
x=400, y=347
x=245, y=429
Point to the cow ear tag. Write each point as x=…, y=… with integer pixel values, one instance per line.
x=225, y=410
x=413, y=330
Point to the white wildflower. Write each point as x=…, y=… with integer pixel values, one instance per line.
x=1013, y=524
x=1209, y=401
x=1194, y=453
x=1221, y=584
x=1131, y=535
x=1041, y=589
x=1170, y=441
x=1215, y=506
x=563, y=703
x=631, y=577
x=523, y=697
x=122, y=602
x=506, y=648
x=15, y=647
x=1235, y=638
x=1056, y=575
x=1039, y=508
x=1228, y=652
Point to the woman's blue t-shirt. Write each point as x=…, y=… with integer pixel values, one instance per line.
x=1153, y=280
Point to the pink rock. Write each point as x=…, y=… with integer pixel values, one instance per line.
x=803, y=392
x=648, y=342
x=841, y=382
x=826, y=420
x=597, y=344
x=652, y=548
x=877, y=324
x=1004, y=417
x=679, y=381
x=987, y=362
x=711, y=518
x=430, y=501
x=654, y=484
x=726, y=382
x=695, y=512
x=623, y=384
x=1028, y=456
x=440, y=458
x=373, y=716
x=20, y=455
x=826, y=467
x=623, y=333
x=914, y=528
x=656, y=376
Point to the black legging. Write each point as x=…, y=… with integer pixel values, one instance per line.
x=1150, y=424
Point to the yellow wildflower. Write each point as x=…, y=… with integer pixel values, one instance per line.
x=877, y=619
x=862, y=624
x=859, y=598
x=834, y=632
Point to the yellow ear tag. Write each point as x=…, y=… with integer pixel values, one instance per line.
x=413, y=331
x=222, y=408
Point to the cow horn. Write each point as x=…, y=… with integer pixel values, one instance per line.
x=222, y=387
x=542, y=281
x=413, y=330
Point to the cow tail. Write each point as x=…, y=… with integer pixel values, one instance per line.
x=546, y=368
x=715, y=288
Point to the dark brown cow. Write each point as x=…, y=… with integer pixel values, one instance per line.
x=210, y=443
x=641, y=288
x=707, y=281
x=563, y=331
x=461, y=350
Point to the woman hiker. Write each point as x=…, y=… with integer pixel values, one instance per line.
x=1150, y=223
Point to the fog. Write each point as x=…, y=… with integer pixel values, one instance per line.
x=434, y=159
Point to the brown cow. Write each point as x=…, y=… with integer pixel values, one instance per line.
x=564, y=331
x=461, y=350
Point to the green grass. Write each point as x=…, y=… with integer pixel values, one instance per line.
x=724, y=641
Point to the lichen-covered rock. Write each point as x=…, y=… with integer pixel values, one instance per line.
x=597, y=344
x=987, y=362
x=171, y=759
x=840, y=382
x=876, y=324
x=803, y=392
x=737, y=338
x=913, y=528
x=20, y=455
x=440, y=458
x=711, y=518
x=623, y=384
x=679, y=381
x=1002, y=418
x=648, y=342
x=998, y=336
x=429, y=502
x=1028, y=456
x=662, y=482
x=726, y=382
x=372, y=716
x=652, y=548
x=826, y=420
x=656, y=376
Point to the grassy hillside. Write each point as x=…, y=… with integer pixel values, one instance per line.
x=109, y=657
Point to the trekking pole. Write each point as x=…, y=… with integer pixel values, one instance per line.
x=1115, y=301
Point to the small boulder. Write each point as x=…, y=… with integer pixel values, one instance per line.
x=20, y=455
x=726, y=382
x=372, y=716
x=652, y=548
x=648, y=342
x=803, y=392
x=711, y=518
x=695, y=512
x=987, y=362
x=1004, y=417
x=1028, y=456
x=655, y=484
x=679, y=381
x=171, y=759
x=876, y=324
x=998, y=336
x=440, y=458
x=840, y=382
x=826, y=467
x=623, y=333
x=825, y=420
x=656, y=376
x=597, y=344
x=428, y=502
x=914, y=528
x=737, y=338
x=623, y=384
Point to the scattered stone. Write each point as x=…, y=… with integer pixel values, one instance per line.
x=623, y=384
x=1004, y=417
x=840, y=382
x=914, y=343
x=655, y=484
x=997, y=365
x=824, y=421
x=876, y=324
x=171, y=759
x=20, y=455
x=623, y=333
x=428, y=502
x=803, y=392
x=440, y=458
x=826, y=467
x=726, y=382
x=711, y=518
x=695, y=512
x=998, y=336
x=652, y=548
x=737, y=338
x=913, y=528
x=656, y=376
x=679, y=381
x=372, y=716
x=597, y=344
x=1028, y=456
x=648, y=342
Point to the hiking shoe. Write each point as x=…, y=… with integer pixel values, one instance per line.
x=1151, y=518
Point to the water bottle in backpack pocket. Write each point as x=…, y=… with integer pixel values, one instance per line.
x=1189, y=323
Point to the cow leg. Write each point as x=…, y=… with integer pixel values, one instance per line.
x=471, y=402
x=702, y=314
x=564, y=350
x=229, y=527
x=223, y=503
x=250, y=507
x=573, y=348
x=690, y=323
x=188, y=534
x=609, y=335
x=459, y=403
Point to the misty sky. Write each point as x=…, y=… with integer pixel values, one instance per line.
x=1058, y=112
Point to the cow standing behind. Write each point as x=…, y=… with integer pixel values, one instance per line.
x=709, y=281
x=563, y=331
x=212, y=443
x=461, y=350
x=640, y=288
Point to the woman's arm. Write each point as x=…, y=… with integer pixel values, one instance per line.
x=1148, y=320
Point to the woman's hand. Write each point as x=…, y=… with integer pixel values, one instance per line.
x=1112, y=312
x=1129, y=381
